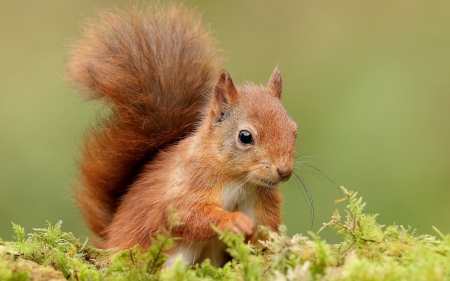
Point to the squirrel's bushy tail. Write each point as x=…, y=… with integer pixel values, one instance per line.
x=155, y=69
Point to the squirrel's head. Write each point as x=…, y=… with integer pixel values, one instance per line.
x=254, y=137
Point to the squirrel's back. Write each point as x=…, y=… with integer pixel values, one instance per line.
x=154, y=69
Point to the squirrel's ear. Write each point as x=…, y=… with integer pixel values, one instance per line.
x=275, y=84
x=225, y=93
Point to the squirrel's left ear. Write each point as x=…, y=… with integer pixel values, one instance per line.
x=275, y=83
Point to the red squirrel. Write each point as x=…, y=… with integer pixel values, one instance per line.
x=179, y=137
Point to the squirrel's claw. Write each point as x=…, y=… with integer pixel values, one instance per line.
x=240, y=223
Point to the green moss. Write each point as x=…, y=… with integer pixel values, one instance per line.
x=368, y=251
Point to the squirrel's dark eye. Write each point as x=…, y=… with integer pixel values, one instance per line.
x=245, y=137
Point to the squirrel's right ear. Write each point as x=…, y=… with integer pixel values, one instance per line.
x=275, y=85
x=225, y=94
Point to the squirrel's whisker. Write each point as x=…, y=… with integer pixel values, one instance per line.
x=305, y=155
x=298, y=179
x=315, y=172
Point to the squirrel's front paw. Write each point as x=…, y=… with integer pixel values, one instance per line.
x=240, y=223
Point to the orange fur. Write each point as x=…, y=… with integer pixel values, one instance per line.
x=172, y=141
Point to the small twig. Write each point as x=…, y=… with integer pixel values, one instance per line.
x=157, y=257
x=131, y=256
x=342, y=199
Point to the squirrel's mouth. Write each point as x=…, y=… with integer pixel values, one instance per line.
x=268, y=183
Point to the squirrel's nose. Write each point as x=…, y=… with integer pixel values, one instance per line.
x=284, y=173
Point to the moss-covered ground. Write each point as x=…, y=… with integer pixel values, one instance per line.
x=368, y=251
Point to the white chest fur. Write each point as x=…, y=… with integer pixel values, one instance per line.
x=243, y=196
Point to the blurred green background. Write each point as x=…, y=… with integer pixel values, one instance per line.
x=367, y=81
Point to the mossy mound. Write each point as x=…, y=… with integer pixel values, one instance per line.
x=369, y=251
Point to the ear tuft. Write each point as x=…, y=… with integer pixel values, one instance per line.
x=224, y=91
x=275, y=84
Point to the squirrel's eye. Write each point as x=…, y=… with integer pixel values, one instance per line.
x=245, y=137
